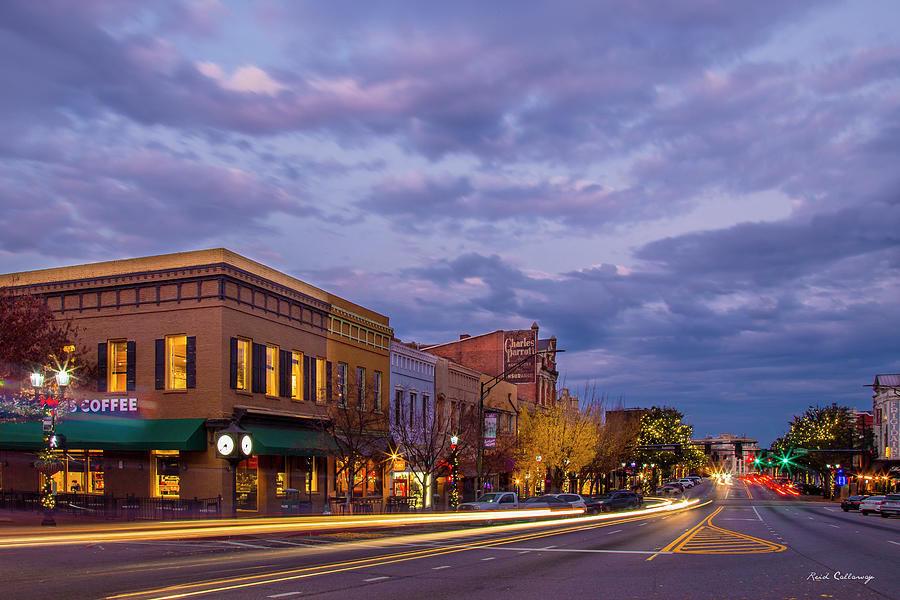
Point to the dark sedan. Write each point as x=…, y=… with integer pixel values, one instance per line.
x=851, y=503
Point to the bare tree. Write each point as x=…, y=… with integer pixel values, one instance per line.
x=360, y=434
x=423, y=436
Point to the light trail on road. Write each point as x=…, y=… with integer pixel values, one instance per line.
x=236, y=527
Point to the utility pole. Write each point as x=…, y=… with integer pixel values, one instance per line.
x=486, y=387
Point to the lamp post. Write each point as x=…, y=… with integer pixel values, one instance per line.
x=454, y=471
x=47, y=464
x=234, y=444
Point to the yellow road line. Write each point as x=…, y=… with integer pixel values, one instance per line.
x=749, y=495
x=687, y=533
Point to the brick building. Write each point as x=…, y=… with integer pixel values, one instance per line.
x=192, y=342
x=495, y=352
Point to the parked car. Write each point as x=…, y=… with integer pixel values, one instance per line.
x=696, y=479
x=492, y=501
x=618, y=499
x=851, y=503
x=681, y=487
x=688, y=483
x=574, y=500
x=546, y=501
x=871, y=504
x=670, y=488
x=891, y=506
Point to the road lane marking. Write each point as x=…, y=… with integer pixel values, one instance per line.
x=246, y=545
x=440, y=567
x=616, y=531
x=371, y=579
x=890, y=542
x=288, y=543
x=835, y=526
x=488, y=558
x=284, y=595
x=706, y=538
x=214, y=586
x=757, y=513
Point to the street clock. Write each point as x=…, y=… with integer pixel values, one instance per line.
x=234, y=443
x=246, y=444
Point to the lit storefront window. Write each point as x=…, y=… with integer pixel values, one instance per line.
x=167, y=473
x=297, y=473
x=247, y=477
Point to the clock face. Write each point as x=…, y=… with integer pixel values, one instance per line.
x=246, y=445
x=225, y=445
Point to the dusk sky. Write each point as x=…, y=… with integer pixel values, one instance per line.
x=700, y=199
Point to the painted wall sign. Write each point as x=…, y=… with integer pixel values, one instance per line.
x=517, y=345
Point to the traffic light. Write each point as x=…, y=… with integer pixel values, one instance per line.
x=57, y=441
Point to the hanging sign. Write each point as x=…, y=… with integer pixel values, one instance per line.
x=490, y=430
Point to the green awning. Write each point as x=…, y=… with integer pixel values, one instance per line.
x=111, y=434
x=286, y=441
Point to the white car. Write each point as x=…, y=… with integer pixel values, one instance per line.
x=687, y=483
x=574, y=500
x=872, y=504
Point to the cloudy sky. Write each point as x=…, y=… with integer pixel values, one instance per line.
x=700, y=199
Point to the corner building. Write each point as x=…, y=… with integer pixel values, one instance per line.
x=186, y=344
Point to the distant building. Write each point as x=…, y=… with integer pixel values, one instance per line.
x=723, y=452
x=500, y=351
x=886, y=422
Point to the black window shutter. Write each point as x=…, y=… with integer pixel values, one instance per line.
x=309, y=379
x=191, y=365
x=328, y=381
x=234, y=365
x=101, y=367
x=284, y=373
x=161, y=364
x=259, y=369
x=129, y=366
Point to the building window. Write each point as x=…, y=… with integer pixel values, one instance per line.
x=342, y=383
x=297, y=375
x=377, y=391
x=361, y=388
x=167, y=480
x=242, y=358
x=321, y=383
x=176, y=362
x=425, y=410
x=117, y=366
x=398, y=401
x=271, y=370
x=412, y=408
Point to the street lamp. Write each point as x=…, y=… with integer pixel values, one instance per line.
x=47, y=463
x=486, y=387
x=454, y=471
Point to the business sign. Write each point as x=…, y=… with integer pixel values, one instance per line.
x=840, y=480
x=892, y=425
x=109, y=406
x=520, y=346
x=490, y=430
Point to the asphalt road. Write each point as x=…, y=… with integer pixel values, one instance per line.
x=746, y=542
